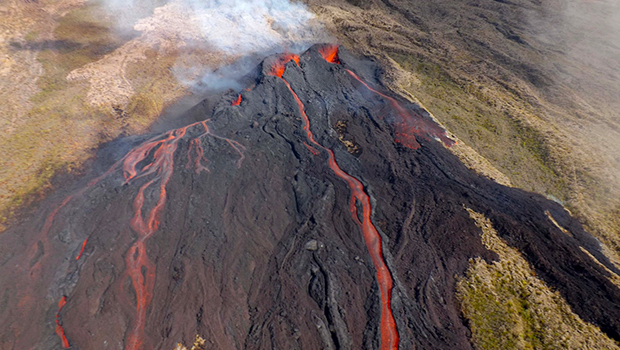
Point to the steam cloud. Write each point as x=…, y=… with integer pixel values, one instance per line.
x=239, y=32
x=586, y=34
x=250, y=30
x=252, y=26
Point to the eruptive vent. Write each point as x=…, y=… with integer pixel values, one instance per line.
x=314, y=209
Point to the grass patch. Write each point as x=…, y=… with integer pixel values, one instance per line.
x=62, y=126
x=508, y=307
x=486, y=118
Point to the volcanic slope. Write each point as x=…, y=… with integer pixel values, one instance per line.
x=310, y=211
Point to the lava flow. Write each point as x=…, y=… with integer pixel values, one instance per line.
x=81, y=250
x=237, y=101
x=59, y=330
x=389, y=332
x=154, y=157
x=407, y=126
x=140, y=268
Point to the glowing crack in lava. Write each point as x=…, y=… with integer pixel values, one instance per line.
x=237, y=101
x=81, y=250
x=161, y=152
x=154, y=159
x=407, y=126
x=389, y=332
x=59, y=330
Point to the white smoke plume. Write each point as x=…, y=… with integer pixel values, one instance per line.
x=238, y=32
x=241, y=27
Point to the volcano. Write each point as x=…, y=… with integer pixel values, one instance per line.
x=313, y=210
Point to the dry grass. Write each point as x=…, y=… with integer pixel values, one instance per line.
x=199, y=344
x=57, y=128
x=62, y=120
x=508, y=307
x=512, y=125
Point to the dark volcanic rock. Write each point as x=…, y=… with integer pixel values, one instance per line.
x=246, y=236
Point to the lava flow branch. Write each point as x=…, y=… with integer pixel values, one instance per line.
x=407, y=124
x=152, y=161
x=160, y=156
x=389, y=332
x=59, y=330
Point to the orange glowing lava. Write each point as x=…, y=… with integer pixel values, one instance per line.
x=277, y=68
x=42, y=247
x=160, y=156
x=372, y=239
x=82, y=250
x=155, y=159
x=138, y=266
x=59, y=330
x=237, y=101
x=407, y=125
x=330, y=53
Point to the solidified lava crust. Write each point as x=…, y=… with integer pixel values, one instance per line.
x=253, y=227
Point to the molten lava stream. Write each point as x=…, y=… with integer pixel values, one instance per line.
x=82, y=250
x=59, y=330
x=407, y=126
x=139, y=268
x=389, y=332
x=35, y=270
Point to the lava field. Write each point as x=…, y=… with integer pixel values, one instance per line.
x=312, y=210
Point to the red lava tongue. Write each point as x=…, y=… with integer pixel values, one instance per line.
x=277, y=67
x=59, y=330
x=407, y=125
x=389, y=332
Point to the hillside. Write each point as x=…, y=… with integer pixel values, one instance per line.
x=529, y=90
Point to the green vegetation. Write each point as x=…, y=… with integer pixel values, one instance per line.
x=61, y=126
x=489, y=121
x=508, y=307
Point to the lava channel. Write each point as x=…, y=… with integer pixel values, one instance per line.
x=372, y=239
x=59, y=330
x=81, y=250
x=158, y=154
x=139, y=268
x=407, y=126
